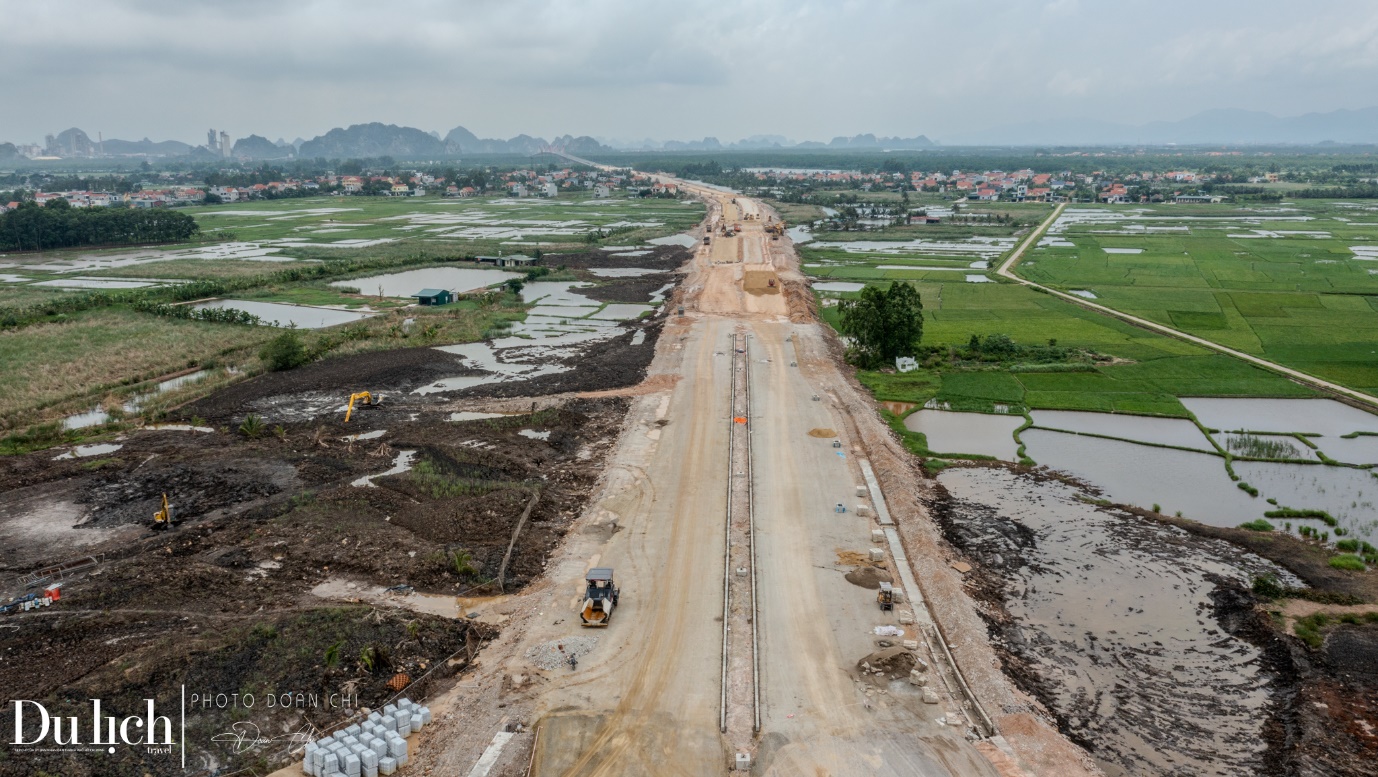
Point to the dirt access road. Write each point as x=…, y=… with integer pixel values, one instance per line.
x=648, y=697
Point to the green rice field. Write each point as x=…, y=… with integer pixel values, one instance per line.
x=1295, y=283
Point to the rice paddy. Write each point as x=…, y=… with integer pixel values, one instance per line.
x=1295, y=283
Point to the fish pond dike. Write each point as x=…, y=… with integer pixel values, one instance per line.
x=1140, y=639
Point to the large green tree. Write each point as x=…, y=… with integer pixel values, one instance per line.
x=883, y=323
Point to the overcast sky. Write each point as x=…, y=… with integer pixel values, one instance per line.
x=668, y=70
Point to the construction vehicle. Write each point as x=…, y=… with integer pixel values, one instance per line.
x=600, y=597
x=775, y=229
x=164, y=517
x=886, y=596
x=368, y=401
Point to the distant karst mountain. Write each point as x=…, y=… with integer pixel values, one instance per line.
x=373, y=140
x=259, y=147
x=145, y=147
x=465, y=142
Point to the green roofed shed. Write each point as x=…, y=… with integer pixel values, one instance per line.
x=434, y=297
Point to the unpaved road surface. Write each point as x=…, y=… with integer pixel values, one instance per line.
x=647, y=698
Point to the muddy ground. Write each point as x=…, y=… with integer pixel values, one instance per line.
x=229, y=601
x=1320, y=708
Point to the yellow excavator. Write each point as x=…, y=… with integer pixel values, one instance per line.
x=363, y=396
x=163, y=518
x=775, y=229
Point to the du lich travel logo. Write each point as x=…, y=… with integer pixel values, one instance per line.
x=188, y=730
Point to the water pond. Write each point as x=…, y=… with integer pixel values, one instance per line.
x=839, y=286
x=300, y=316
x=404, y=284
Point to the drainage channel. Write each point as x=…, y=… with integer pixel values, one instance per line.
x=740, y=714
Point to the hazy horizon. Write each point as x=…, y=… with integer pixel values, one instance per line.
x=618, y=69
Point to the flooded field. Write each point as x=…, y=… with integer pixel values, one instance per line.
x=1123, y=457
x=1325, y=417
x=404, y=284
x=1121, y=626
x=1162, y=431
x=979, y=433
x=282, y=314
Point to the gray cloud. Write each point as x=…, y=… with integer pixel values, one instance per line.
x=631, y=68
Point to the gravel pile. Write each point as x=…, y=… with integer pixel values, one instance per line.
x=555, y=654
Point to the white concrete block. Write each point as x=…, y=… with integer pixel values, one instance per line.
x=877, y=554
x=387, y=765
x=352, y=765
x=863, y=510
x=425, y=716
x=743, y=762
x=906, y=618
x=930, y=696
x=861, y=490
x=403, y=722
x=917, y=678
x=415, y=723
x=397, y=748
x=389, y=722
x=911, y=644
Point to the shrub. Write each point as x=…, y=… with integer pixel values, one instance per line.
x=1348, y=561
x=252, y=426
x=1268, y=587
x=1245, y=487
x=1257, y=525
x=284, y=352
x=1348, y=546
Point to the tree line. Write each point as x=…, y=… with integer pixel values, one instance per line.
x=34, y=227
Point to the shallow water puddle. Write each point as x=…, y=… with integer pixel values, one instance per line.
x=85, y=451
x=399, y=465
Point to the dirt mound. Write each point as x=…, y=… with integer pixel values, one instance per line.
x=634, y=290
x=1353, y=651
x=893, y=661
x=663, y=258
x=825, y=434
x=869, y=577
x=760, y=282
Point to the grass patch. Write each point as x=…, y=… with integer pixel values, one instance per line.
x=1258, y=524
x=1288, y=512
x=1348, y=561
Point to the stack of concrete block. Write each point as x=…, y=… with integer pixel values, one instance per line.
x=377, y=745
